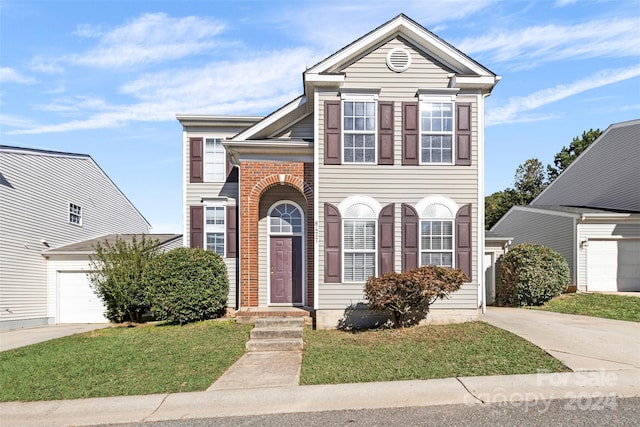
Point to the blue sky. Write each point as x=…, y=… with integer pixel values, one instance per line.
x=107, y=78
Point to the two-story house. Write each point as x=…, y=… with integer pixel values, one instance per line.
x=376, y=167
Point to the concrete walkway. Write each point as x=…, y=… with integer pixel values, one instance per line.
x=15, y=338
x=262, y=369
x=582, y=343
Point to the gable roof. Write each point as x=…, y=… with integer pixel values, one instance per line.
x=604, y=176
x=467, y=72
x=51, y=153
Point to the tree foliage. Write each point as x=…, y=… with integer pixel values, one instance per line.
x=567, y=155
x=116, y=276
x=407, y=296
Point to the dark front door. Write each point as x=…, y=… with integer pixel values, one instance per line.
x=286, y=270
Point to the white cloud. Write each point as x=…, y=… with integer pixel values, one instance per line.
x=562, y=3
x=15, y=121
x=257, y=85
x=151, y=38
x=46, y=65
x=526, y=47
x=88, y=31
x=9, y=75
x=516, y=109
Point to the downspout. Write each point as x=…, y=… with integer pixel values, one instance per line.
x=316, y=198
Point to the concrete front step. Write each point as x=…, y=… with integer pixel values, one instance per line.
x=280, y=322
x=278, y=344
x=271, y=332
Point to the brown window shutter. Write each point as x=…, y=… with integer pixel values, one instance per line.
x=196, y=236
x=410, y=230
x=196, y=163
x=463, y=134
x=410, y=130
x=332, y=129
x=332, y=244
x=232, y=232
x=463, y=240
x=385, y=239
x=385, y=133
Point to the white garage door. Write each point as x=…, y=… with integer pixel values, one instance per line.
x=613, y=265
x=78, y=303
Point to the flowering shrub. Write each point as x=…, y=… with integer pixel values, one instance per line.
x=407, y=296
x=531, y=275
x=186, y=285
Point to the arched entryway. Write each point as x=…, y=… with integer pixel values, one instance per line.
x=285, y=254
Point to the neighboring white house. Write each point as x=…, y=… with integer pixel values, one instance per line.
x=591, y=213
x=47, y=200
x=71, y=297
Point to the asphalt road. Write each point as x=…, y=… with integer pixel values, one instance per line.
x=583, y=411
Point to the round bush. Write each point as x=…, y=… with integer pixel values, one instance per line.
x=531, y=275
x=186, y=285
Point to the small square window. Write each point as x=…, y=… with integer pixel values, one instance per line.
x=75, y=214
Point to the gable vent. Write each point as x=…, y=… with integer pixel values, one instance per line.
x=398, y=60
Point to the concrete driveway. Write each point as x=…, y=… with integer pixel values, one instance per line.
x=26, y=336
x=582, y=343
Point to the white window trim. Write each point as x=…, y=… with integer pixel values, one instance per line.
x=215, y=204
x=204, y=159
x=69, y=213
x=344, y=207
x=452, y=207
x=303, y=255
x=346, y=96
x=428, y=99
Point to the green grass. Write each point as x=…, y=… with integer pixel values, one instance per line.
x=122, y=361
x=435, y=351
x=617, y=307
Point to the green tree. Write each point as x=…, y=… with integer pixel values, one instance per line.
x=567, y=155
x=116, y=276
x=530, y=180
x=498, y=204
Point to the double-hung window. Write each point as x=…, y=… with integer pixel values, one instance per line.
x=359, y=130
x=359, y=249
x=436, y=242
x=75, y=214
x=215, y=161
x=436, y=130
x=215, y=229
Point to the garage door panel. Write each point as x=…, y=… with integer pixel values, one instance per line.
x=77, y=301
x=613, y=265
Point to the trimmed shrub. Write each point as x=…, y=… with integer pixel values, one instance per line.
x=531, y=275
x=187, y=285
x=116, y=276
x=407, y=296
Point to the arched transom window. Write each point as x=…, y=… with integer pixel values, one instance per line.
x=285, y=218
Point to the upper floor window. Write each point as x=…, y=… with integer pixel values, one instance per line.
x=436, y=131
x=214, y=229
x=75, y=214
x=214, y=160
x=359, y=131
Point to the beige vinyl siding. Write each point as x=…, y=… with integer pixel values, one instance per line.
x=35, y=207
x=598, y=229
x=605, y=176
x=395, y=183
x=301, y=130
x=541, y=227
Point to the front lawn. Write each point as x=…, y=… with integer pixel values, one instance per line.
x=123, y=361
x=435, y=351
x=617, y=307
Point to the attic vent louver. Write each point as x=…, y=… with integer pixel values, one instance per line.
x=398, y=60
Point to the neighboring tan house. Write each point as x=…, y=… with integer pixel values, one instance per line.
x=51, y=199
x=591, y=213
x=378, y=166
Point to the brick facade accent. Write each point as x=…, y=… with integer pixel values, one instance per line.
x=255, y=178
